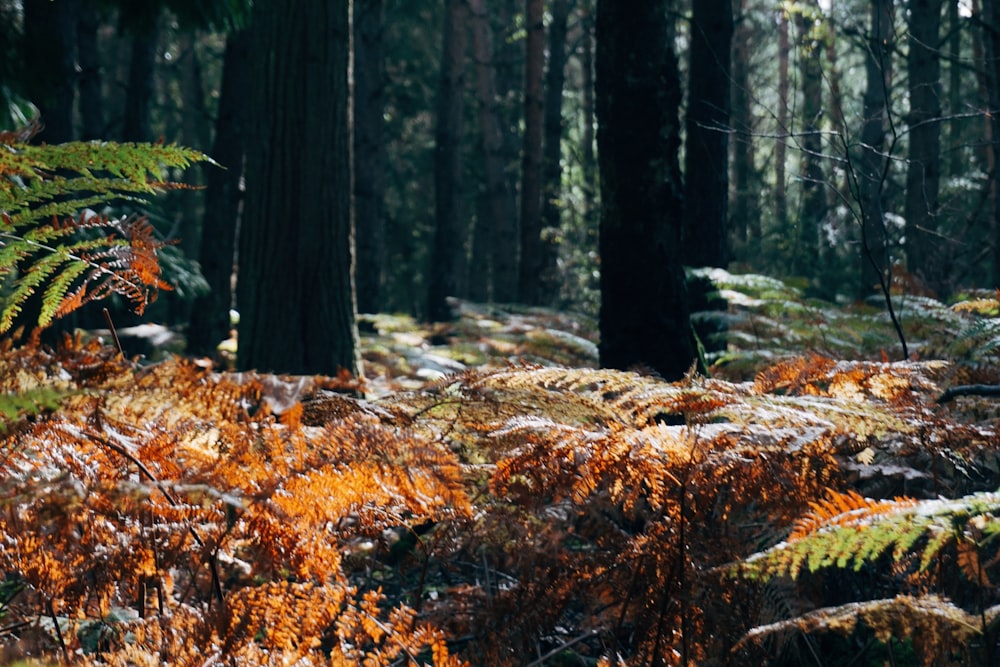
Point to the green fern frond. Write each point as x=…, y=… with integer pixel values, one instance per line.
x=51, y=241
x=859, y=530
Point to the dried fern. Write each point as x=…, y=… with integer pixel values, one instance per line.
x=50, y=239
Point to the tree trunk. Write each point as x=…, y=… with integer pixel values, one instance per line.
x=210, y=321
x=745, y=209
x=644, y=317
x=991, y=19
x=871, y=163
x=531, y=155
x=548, y=279
x=448, y=256
x=923, y=169
x=781, y=145
x=295, y=288
x=588, y=157
x=706, y=173
x=955, y=98
x=50, y=59
x=813, y=208
x=139, y=96
x=370, y=162
x=498, y=219
x=89, y=80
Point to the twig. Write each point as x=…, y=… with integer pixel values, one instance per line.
x=114, y=332
x=55, y=622
x=585, y=636
x=969, y=390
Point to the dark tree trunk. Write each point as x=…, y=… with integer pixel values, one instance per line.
x=548, y=279
x=498, y=219
x=531, y=155
x=871, y=163
x=139, y=96
x=991, y=16
x=781, y=145
x=706, y=173
x=448, y=256
x=745, y=209
x=588, y=157
x=210, y=321
x=644, y=317
x=295, y=288
x=923, y=169
x=89, y=79
x=370, y=161
x=813, y=208
x=955, y=92
x=49, y=56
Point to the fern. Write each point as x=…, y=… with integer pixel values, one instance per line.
x=51, y=241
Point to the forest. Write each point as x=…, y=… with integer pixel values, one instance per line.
x=499, y=332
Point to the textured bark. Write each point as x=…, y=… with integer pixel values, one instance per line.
x=745, y=209
x=139, y=96
x=531, y=262
x=923, y=169
x=588, y=158
x=870, y=164
x=644, y=317
x=448, y=256
x=295, y=288
x=706, y=173
x=498, y=219
x=548, y=280
x=781, y=146
x=370, y=162
x=806, y=259
x=210, y=322
x=991, y=38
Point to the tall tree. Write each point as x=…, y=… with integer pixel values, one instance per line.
x=871, y=164
x=369, y=154
x=531, y=154
x=295, y=288
x=555, y=79
x=781, y=146
x=644, y=317
x=498, y=220
x=50, y=60
x=923, y=168
x=706, y=173
x=806, y=258
x=745, y=204
x=89, y=79
x=991, y=28
x=448, y=261
x=210, y=321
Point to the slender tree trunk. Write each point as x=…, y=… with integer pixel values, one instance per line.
x=588, y=157
x=194, y=133
x=295, y=287
x=781, y=146
x=448, y=258
x=871, y=162
x=923, y=171
x=210, y=321
x=50, y=39
x=498, y=218
x=531, y=155
x=370, y=162
x=745, y=209
x=991, y=16
x=548, y=279
x=955, y=91
x=706, y=173
x=813, y=208
x=644, y=314
x=139, y=97
x=89, y=79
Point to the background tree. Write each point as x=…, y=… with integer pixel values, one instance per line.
x=644, y=315
x=532, y=259
x=448, y=258
x=295, y=289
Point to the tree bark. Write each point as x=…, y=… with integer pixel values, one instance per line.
x=781, y=145
x=210, y=321
x=644, y=317
x=531, y=155
x=706, y=173
x=295, y=288
x=498, y=220
x=923, y=169
x=813, y=208
x=548, y=279
x=448, y=256
x=89, y=80
x=991, y=19
x=745, y=209
x=50, y=59
x=370, y=162
x=139, y=96
x=870, y=164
